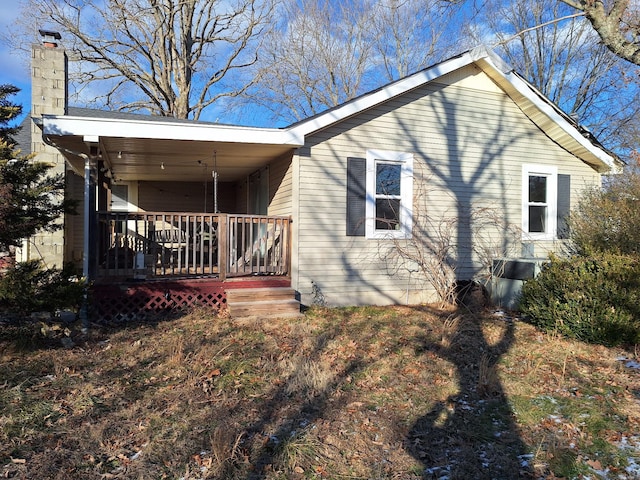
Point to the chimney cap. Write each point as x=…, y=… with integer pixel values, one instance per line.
x=50, y=33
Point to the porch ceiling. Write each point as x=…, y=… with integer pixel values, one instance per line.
x=183, y=160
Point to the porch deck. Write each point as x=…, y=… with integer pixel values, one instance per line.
x=154, y=262
x=160, y=245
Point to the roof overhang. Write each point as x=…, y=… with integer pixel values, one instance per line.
x=167, y=150
x=155, y=129
x=548, y=117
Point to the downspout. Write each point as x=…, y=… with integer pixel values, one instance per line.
x=86, y=244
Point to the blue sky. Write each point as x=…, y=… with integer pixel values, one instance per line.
x=14, y=68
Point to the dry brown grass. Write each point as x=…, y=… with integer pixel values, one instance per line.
x=381, y=393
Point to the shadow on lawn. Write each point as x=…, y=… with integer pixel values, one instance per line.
x=286, y=417
x=472, y=434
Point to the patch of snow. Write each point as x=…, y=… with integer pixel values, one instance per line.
x=633, y=468
x=549, y=399
x=502, y=314
x=464, y=405
x=628, y=362
x=556, y=418
x=525, y=460
x=441, y=473
x=631, y=446
x=601, y=473
x=632, y=364
x=484, y=459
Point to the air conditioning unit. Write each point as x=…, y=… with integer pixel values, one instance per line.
x=507, y=277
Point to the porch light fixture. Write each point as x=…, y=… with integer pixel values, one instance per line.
x=119, y=155
x=162, y=166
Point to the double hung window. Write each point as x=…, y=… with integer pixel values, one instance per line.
x=389, y=190
x=539, y=202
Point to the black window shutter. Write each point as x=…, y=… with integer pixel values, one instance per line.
x=356, y=196
x=564, y=205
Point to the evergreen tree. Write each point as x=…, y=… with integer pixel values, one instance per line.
x=30, y=198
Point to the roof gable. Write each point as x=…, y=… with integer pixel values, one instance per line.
x=561, y=128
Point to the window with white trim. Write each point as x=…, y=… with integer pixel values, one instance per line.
x=539, y=202
x=124, y=197
x=389, y=187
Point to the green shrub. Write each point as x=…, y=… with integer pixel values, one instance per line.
x=594, y=299
x=608, y=219
x=29, y=287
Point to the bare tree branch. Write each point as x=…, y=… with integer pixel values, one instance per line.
x=558, y=51
x=171, y=56
x=617, y=24
x=324, y=53
x=536, y=27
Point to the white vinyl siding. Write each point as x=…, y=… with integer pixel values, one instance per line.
x=280, y=177
x=468, y=147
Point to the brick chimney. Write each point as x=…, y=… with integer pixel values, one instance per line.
x=49, y=89
x=48, y=96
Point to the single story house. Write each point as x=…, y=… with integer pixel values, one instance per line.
x=360, y=204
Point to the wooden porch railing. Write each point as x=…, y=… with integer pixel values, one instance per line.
x=162, y=244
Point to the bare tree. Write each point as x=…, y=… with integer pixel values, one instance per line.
x=617, y=23
x=324, y=53
x=433, y=250
x=563, y=57
x=316, y=58
x=441, y=254
x=168, y=57
x=411, y=34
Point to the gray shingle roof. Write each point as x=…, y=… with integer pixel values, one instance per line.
x=23, y=137
x=94, y=113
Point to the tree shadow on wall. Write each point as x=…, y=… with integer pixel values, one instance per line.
x=472, y=434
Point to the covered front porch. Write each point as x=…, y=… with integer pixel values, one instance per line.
x=175, y=205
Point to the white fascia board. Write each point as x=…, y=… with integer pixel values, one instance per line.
x=526, y=91
x=377, y=97
x=108, y=127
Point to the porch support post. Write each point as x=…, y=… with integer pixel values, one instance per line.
x=88, y=250
x=223, y=246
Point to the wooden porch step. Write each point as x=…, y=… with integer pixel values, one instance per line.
x=262, y=302
x=258, y=294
